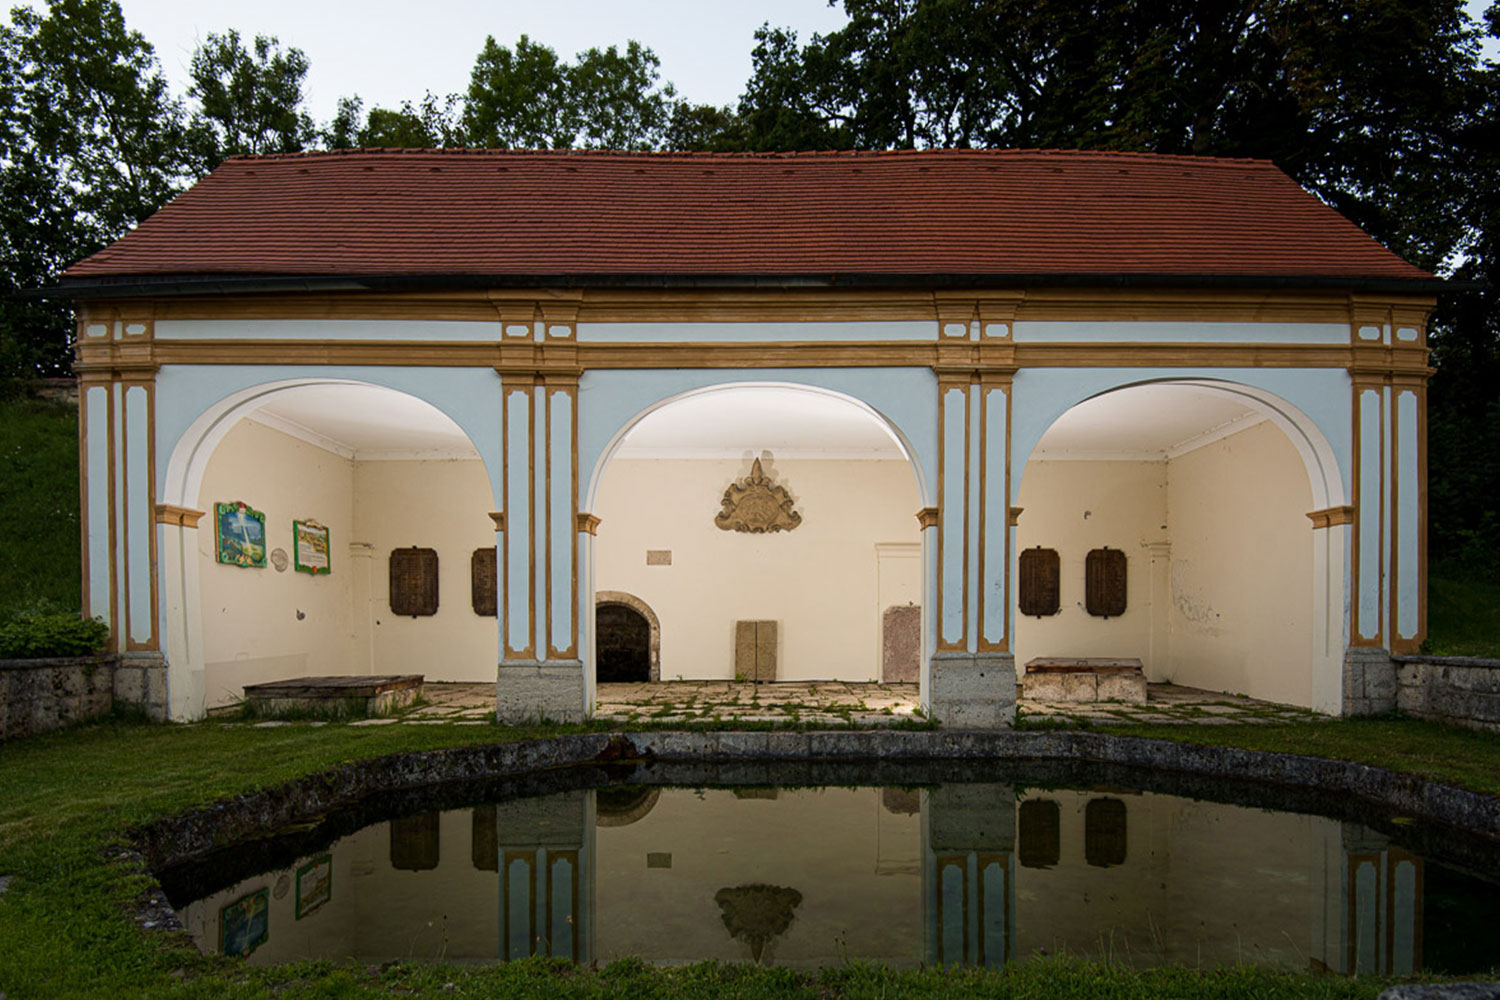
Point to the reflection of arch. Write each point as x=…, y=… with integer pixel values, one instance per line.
x=623, y=805
x=640, y=607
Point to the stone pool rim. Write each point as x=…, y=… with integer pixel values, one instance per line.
x=196, y=833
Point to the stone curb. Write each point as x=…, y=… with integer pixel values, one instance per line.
x=1447, y=991
x=1484, y=663
x=196, y=833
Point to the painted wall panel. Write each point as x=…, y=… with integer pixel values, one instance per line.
x=518, y=528
x=326, y=329
x=539, y=539
x=973, y=511
x=1370, y=493
x=1054, y=331
x=96, y=433
x=1408, y=534
x=996, y=516
x=560, y=430
x=138, y=501
x=952, y=513
x=730, y=333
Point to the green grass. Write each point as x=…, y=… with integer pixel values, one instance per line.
x=39, y=546
x=68, y=798
x=1463, y=616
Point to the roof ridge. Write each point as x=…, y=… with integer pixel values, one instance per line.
x=752, y=156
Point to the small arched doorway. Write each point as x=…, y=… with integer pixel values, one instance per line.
x=627, y=639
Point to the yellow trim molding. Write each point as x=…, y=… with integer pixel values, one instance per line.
x=184, y=517
x=1331, y=516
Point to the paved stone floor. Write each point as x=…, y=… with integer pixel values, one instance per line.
x=841, y=703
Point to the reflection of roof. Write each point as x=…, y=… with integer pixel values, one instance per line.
x=917, y=218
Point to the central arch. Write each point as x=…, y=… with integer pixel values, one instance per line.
x=660, y=481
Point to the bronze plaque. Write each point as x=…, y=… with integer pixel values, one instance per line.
x=1039, y=587
x=482, y=582
x=1104, y=583
x=414, y=581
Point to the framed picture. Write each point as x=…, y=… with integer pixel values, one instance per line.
x=314, y=884
x=310, y=547
x=245, y=924
x=240, y=534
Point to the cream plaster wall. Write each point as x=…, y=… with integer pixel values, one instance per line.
x=1219, y=564
x=441, y=505
x=251, y=629
x=820, y=581
x=1241, y=571
x=1074, y=507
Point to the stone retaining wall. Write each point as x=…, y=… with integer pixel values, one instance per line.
x=743, y=757
x=41, y=695
x=1461, y=690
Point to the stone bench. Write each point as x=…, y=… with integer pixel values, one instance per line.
x=1086, y=678
x=334, y=697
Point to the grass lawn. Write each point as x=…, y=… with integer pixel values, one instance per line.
x=66, y=799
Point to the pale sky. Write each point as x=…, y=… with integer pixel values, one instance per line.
x=387, y=51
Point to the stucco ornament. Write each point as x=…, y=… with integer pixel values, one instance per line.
x=757, y=505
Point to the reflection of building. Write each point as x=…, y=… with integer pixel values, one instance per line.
x=546, y=876
x=812, y=877
x=543, y=400
x=969, y=894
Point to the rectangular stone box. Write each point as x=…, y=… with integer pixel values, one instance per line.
x=334, y=697
x=1084, y=679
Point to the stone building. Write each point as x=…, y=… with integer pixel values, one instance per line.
x=824, y=416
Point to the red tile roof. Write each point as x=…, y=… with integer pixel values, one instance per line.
x=502, y=217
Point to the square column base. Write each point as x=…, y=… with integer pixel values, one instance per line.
x=540, y=691
x=1369, y=681
x=973, y=690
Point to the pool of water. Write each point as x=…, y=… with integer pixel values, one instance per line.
x=1106, y=864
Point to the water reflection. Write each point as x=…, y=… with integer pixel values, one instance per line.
x=961, y=874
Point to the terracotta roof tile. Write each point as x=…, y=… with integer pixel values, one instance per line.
x=493, y=215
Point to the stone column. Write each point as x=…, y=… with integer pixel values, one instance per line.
x=973, y=679
x=1388, y=609
x=541, y=668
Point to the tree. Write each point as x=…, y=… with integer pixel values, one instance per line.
x=91, y=144
x=432, y=123
x=528, y=98
x=249, y=100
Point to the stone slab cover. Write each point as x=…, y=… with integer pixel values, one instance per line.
x=755, y=650
x=901, y=644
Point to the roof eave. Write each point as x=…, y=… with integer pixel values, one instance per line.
x=171, y=286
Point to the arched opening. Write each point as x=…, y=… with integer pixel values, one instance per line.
x=770, y=527
x=368, y=508
x=1200, y=491
x=622, y=644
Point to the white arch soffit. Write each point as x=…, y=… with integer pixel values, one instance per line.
x=1302, y=431
x=608, y=454
x=196, y=446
